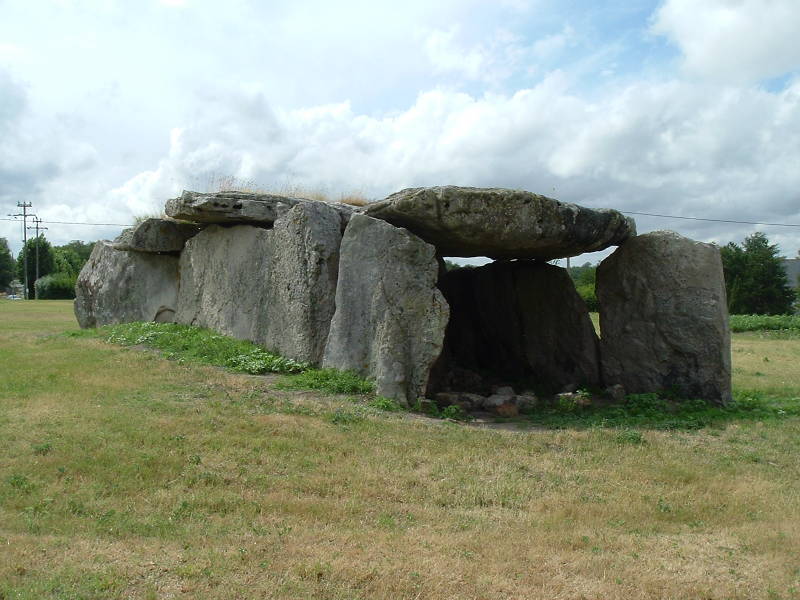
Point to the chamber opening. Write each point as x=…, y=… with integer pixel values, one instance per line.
x=517, y=323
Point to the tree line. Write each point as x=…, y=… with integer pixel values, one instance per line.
x=58, y=267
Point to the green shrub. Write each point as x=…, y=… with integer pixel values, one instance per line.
x=587, y=292
x=741, y=323
x=58, y=286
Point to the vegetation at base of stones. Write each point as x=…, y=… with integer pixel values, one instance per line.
x=648, y=411
x=584, y=278
x=452, y=412
x=57, y=286
x=741, y=323
x=331, y=381
x=6, y=265
x=663, y=412
x=196, y=344
x=755, y=279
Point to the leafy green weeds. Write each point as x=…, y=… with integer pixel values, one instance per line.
x=184, y=342
x=331, y=381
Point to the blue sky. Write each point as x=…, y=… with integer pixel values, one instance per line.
x=108, y=108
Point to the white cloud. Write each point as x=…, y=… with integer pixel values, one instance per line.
x=446, y=54
x=733, y=40
x=675, y=148
x=550, y=45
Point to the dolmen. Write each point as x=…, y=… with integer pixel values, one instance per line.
x=367, y=289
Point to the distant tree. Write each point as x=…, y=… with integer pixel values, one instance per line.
x=584, y=278
x=66, y=260
x=46, y=262
x=82, y=249
x=755, y=279
x=7, y=266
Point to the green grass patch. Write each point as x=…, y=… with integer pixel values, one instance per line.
x=331, y=381
x=197, y=344
x=654, y=411
x=741, y=323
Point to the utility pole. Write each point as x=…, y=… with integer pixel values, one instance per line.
x=36, y=221
x=24, y=214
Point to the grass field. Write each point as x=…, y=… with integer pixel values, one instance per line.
x=125, y=475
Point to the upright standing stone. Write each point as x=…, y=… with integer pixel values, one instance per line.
x=301, y=296
x=117, y=286
x=224, y=280
x=390, y=317
x=664, y=318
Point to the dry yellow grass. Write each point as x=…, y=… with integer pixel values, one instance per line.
x=164, y=480
x=227, y=183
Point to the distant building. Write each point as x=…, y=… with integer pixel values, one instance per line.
x=792, y=266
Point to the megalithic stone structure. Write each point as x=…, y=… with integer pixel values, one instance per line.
x=363, y=289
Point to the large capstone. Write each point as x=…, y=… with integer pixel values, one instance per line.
x=229, y=207
x=223, y=281
x=117, y=286
x=390, y=318
x=501, y=223
x=156, y=235
x=663, y=317
x=518, y=322
x=301, y=292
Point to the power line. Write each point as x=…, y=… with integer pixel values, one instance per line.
x=628, y=212
x=79, y=223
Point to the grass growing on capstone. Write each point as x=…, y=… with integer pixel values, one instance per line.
x=124, y=475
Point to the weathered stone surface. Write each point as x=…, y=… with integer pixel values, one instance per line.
x=390, y=317
x=116, y=286
x=275, y=287
x=156, y=235
x=519, y=321
x=242, y=207
x=501, y=223
x=223, y=281
x=664, y=318
x=229, y=207
x=301, y=296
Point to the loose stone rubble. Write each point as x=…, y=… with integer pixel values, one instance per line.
x=365, y=289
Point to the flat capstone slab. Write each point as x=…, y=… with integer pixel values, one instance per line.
x=229, y=207
x=501, y=223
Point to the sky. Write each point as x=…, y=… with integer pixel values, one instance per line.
x=672, y=107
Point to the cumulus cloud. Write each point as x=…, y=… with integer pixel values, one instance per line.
x=736, y=41
x=676, y=148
